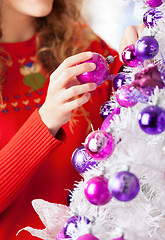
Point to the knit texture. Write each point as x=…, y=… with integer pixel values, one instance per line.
x=33, y=163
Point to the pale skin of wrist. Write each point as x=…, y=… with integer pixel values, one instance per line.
x=65, y=93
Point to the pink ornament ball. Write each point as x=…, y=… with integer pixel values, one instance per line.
x=100, y=74
x=99, y=145
x=129, y=56
x=96, y=191
x=88, y=236
x=124, y=96
x=153, y=3
x=120, y=238
x=60, y=235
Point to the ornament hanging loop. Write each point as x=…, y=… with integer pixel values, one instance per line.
x=110, y=59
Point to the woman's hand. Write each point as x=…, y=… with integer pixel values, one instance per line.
x=130, y=36
x=65, y=93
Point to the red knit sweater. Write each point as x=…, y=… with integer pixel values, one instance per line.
x=33, y=163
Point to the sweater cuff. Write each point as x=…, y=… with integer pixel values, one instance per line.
x=33, y=137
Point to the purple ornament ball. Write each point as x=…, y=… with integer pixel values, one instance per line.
x=100, y=74
x=151, y=17
x=81, y=161
x=153, y=3
x=106, y=123
x=147, y=47
x=124, y=96
x=71, y=225
x=87, y=236
x=152, y=120
x=107, y=108
x=124, y=186
x=129, y=56
x=99, y=145
x=96, y=191
x=119, y=80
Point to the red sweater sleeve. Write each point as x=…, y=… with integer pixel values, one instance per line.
x=20, y=157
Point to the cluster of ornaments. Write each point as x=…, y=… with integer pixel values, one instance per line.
x=152, y=118
x=99, y=145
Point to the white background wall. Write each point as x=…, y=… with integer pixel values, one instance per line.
x=109, y=18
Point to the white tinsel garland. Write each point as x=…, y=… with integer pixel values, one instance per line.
x=142, y=218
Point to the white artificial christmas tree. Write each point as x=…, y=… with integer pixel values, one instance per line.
x=123, y=196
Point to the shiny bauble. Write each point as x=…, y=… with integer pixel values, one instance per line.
x=124, y=186
x=146, y=48
x=99, y=145
x=71, y=225
x=96, y=191
x=60, y=235
x=87, y=236
x=119, y=80
x=129, y=56
x=153, y=3
x=100, y=74
x=107, y=122
x=107, y=108
x=124, y=96
x=151, y=17
x=152, y=120
x=81, y=161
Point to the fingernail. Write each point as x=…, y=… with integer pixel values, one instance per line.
x=94, y=86
x=92, y=66
x=89, y=54
x=88, y=95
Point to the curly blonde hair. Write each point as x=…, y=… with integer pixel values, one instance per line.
x=62, y=33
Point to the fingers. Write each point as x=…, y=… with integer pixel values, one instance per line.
x=69, y=73
x=130, y=36
x=78, y=102
x=78, y=90
x=78, y=58
x=140, y=27
x=72, y=61
x=64, y=88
